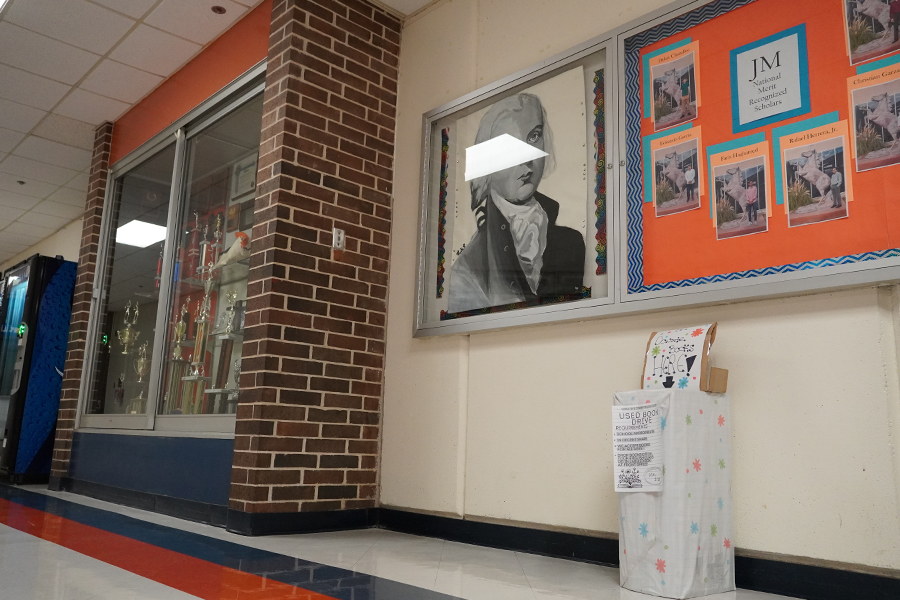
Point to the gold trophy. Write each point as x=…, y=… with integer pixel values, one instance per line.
x=128, y=336
x=180, y=330
x=142, y=364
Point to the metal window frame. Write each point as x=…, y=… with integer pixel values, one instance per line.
x=207, y=113
x=543, y=313
x=824, y=279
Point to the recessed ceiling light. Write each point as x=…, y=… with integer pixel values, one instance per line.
x=497, y=154
x=140, y=234
x=219, y=10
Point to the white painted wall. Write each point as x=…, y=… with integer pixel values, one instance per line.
x=515, y=424
x=66, y=241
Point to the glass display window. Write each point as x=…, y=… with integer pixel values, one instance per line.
x=166, y=324
x=129, y=298
x=206, y=320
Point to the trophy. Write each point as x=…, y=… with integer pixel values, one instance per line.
x=217, y=237
x=180, y=330
x=204, y=251
x=228, y=315
x=128, y=336
x=142, y=363
x=193, y=252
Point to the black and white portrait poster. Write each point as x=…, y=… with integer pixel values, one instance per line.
x=521, y=235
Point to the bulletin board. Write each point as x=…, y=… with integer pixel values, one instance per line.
x=742, y=185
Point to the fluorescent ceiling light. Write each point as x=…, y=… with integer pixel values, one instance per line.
x=140, y=234
x=497, y=154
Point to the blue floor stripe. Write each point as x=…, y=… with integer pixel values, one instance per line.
x=342, y=584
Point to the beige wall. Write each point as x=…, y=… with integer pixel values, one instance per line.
x=515, y=424
x=66, y=241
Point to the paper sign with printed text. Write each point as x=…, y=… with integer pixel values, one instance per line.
x=637, y=448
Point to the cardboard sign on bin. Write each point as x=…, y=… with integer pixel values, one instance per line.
x=679, y=359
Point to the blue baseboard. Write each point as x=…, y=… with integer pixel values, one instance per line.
x=192, y=469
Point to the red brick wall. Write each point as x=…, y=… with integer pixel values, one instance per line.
x=87, y=263
x=309, y=414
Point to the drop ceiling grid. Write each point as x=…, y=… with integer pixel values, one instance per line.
x=64, y=69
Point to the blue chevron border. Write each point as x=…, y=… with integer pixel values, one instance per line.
x=801, y=266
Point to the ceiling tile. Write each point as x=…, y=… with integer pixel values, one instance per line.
x=91, y=108
x=132, y=8
x=19, y=117
x=119, y=81
x=66, y=131
x=69, y=197
x=33, y=188
x=195, y=20
x=80, y=182
x=10, y=214
x=14, y=201
x=9, y=139
x=22, y=233
x=54, y=153
x=57, y=209
x=43, y=221
x=41, y=55
x=41, y=171
x=153, y=50
x=30, y=89
x=75, y=22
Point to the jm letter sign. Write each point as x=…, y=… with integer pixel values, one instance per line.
x=770, y=80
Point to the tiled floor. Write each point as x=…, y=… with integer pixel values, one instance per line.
x=39, y=564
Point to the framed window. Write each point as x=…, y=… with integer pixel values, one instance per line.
x=166, y=324
x=514, y=221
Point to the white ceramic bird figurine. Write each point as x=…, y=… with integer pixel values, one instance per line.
x=239, y=250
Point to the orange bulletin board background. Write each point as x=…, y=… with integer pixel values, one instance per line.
x=684, y=246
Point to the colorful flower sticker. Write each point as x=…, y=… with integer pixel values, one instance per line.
x=683, y=382
x=655, y=351
x=721, y=463
x=660, y=565
x=721, y=420
x=714, y=530
x=695, y=528
x=687, y=419
x=696, y=464
x=643, y=529
x=662, y=422
x=721, y=504
x=727, y=543
x=697, y=332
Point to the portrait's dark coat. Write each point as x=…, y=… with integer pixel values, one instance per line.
x=487, y=272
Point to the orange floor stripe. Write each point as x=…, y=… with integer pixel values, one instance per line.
x=190, y=575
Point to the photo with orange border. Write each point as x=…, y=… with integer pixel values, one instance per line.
x=874, y=110
x=869, y=30
x=808, y=162
x=676, y=93
x=742, y=191
x=677, y=172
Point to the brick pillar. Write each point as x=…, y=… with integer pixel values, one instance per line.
x=87, y=264
x=308, y=420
